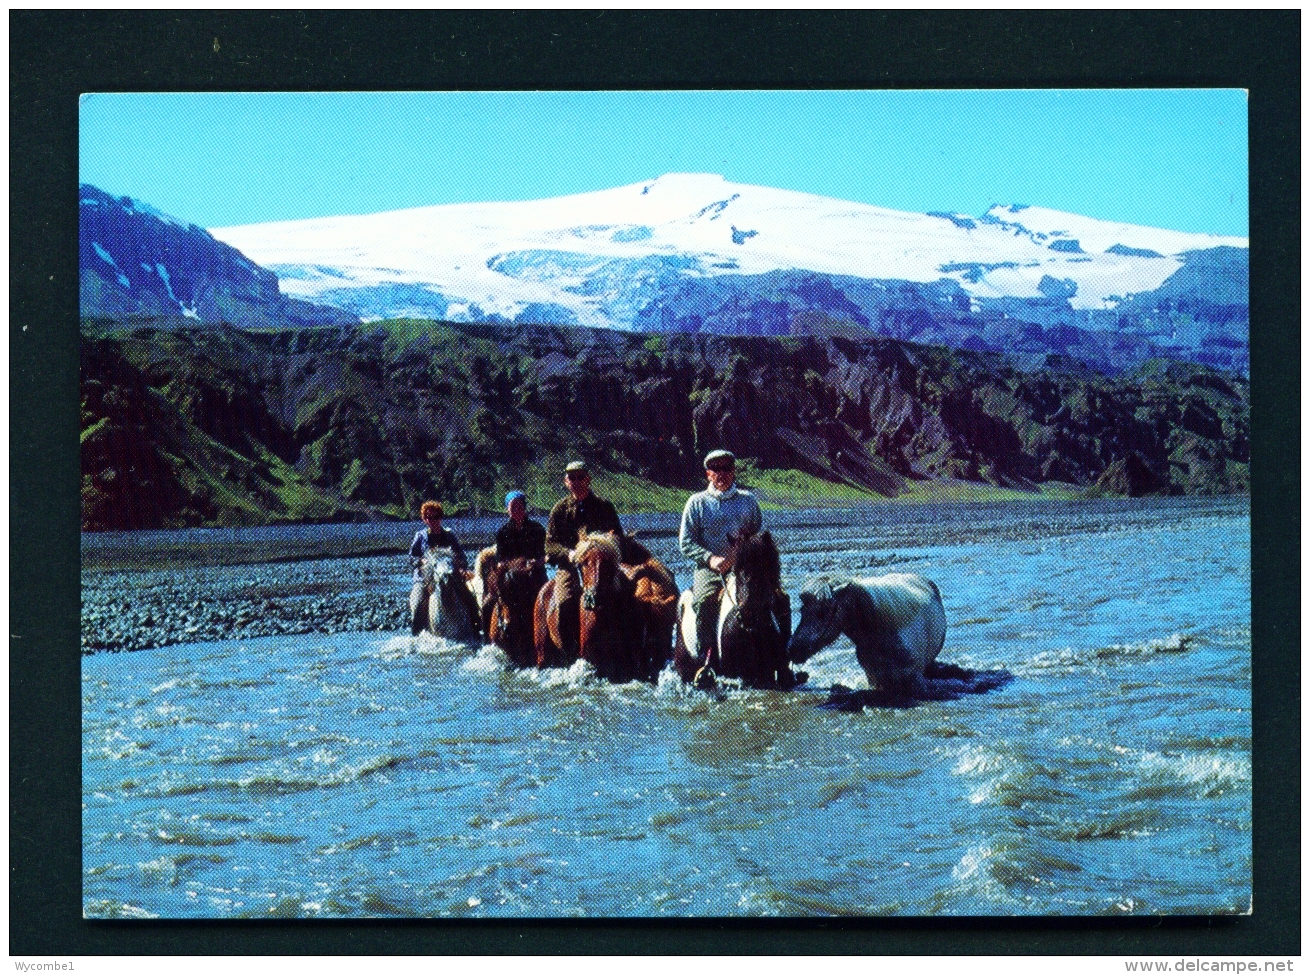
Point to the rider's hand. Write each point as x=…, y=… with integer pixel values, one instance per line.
x=720, y=563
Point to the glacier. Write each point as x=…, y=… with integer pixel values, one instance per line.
x=505, y=255
x=696, y=252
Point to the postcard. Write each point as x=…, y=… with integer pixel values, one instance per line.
x=666, y=504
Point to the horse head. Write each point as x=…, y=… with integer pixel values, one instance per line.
x=821, y=620
x=597, y=558
x=451, y=612
x=516, y=579
x=438, y=568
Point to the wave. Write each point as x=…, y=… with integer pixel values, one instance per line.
x=1205, y=775
x=275, y=783
x=1121, y=824
x=979, y=761
x=405, y=645
x=114, y=909
x=1069, y=659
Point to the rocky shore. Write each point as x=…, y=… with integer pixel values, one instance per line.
x=140, y=610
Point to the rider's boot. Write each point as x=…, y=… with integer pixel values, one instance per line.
x=707, y=619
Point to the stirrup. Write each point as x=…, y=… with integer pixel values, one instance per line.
x=704, y=679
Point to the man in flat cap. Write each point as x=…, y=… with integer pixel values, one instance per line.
x=581, y=512
x=713, y=522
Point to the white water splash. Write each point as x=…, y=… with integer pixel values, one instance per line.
x=1206, y=774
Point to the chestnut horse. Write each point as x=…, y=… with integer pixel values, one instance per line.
x=655, y=596
x=608, y=638
x=607, y=626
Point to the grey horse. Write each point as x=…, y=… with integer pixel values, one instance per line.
x=896, y=621
x=443, y=605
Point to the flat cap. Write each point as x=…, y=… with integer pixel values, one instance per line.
x=575, y=465
x=718, y=456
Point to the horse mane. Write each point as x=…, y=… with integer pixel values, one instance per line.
x=606, y=542
x=435, y=557
x=484, y=561
x=822, y=587
x=759, y=555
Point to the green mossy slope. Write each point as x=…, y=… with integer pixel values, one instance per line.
x=218, y=425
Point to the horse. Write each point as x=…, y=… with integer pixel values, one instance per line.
x=555, y=621
x=897, y=623
x=754, y=624
x=609, y=634
x=510, y=594
x=442, y=605
x=482, y=566
x=621, y=622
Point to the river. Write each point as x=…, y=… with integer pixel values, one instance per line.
x=354, y=774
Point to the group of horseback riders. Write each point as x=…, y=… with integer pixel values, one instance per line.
x=715, y=523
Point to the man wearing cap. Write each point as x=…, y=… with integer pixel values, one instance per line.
x=713, y=522
x=581, y=512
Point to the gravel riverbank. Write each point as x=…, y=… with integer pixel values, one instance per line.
x=125, y=610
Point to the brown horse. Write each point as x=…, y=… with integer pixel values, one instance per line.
x=655, y=597
x=555, y=625
x=511, y=589
x=604, y=625
x=608, y=637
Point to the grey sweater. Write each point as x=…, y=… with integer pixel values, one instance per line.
x=710, y=523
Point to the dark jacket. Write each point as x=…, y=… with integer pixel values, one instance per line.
x=569, y=518
x=528, y=542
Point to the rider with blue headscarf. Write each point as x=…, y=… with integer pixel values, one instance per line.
x=520, y=537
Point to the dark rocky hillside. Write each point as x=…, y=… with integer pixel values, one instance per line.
x=220, y=425
x=138, y=263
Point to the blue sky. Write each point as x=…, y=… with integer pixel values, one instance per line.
x=1174, y=158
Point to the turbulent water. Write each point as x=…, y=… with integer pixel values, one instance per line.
x=375, y=774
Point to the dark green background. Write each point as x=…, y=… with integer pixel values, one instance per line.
x=56, y=55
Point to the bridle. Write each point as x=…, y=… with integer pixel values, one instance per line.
x=746, y=620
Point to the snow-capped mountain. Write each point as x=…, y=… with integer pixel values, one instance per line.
x=694, y=252
x=136, y=262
